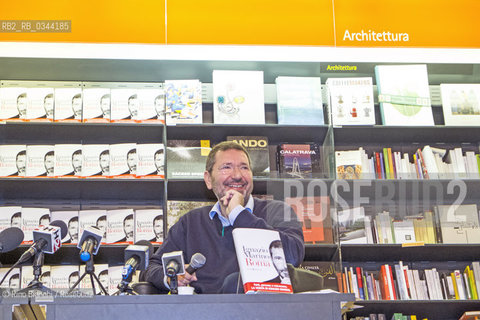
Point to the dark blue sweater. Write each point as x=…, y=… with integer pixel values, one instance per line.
x=196, y=232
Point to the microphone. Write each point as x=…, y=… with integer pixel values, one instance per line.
x=10, y=239
x=89, y=242
x=47, y=239
x=196, y=262
x=173, y=263
x=136, y=257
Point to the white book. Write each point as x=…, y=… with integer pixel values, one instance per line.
x=404, y=231
x=151, y=104
x=68, y=160
x=438, y=285
x=473, y=165
x=10, y=216
x=476, y=274
x=12, y=280
x=71, y=220
x=97, y=218
x=299, y=100
x=238, y=97
x=96, y=160
x=460, y=162
x=402, y=285
x=461, y=104
x=149, y=225
x=96, y=103
x=101, y=271
x=41, y=106
x=124, y=103
x=462, y=294
x=32, y=218
x=26, y=276
x=114, y=278
x=151, y=160
x=369, y=230
x=68, y=102
x=354, y=283
x=121, y=226
x=451, y=289
x=351, y=225
x=40, y=161
x=46, y=276
x=183, y=101
x=351, y=101
x=404, y=95
x=411, y=283
x=13, y=102
x=123, y=160
x=13, y=160
x=390, y=281
x=64, y=276
x=419, y=286
x=430, y=162
x=348, y=164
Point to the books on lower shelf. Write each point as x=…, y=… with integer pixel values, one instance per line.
x=186, y=158
x=404, y=95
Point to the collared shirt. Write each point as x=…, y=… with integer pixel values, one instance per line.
x=233, y=214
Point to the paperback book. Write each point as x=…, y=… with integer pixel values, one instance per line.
x=40, y=161
x=64, y=276
x=186, y=158
x=124, y=103
x=68, y=103
x=151, y=160
x=96, y=160
x=348, y=164
x=41, y=104
x=13, y=101
x=299, y=100
x=121, y=226
x=299, y=161
x=32, y=218
x=13, y=160
x=149, y=225
x=68, y=160
x=96, y=218
x=123, y=160
x=71, y=221
x=257, y=148
x=96, y=103
x=352, y=225
x=238, y=97
x=328, y=271
x=461, y=104
x=10, y=216
x=12, y=280
x=183, y=101
x=151, y=104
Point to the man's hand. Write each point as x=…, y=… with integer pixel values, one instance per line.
x=185, y=279
x=230, y=200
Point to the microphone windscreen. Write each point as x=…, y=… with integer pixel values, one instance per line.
x=63, y=227
x=10, y=238
x=198, y=260
x=145, y=243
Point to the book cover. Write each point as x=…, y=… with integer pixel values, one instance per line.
x=13, y=102
x=70, y=218
x=327, y=269
x=456, y=221
x=151, y=160
x=176, y=209
x=151, y=104
x=124, y=103
x=32, y=218
x=404, y=231
x=351, y=101
x=314, y=214
x=40, y=161
x=121, y=226
x=183, y=101
x=10, y=216
x=123, y=160
x=41, y=104
x=114, y=278
x=404, y=95
x=461, y=104
x=46, y=276
x=299, y=100
x=261, y=260
x=238, y=97
x=186, y=158
x=12, y=280
x=101, y=271
x=96, y=103
x=96, y=160
x=13, y=160
x=97, y=218
x=299, y=160
x=149, y=225
x=26, y=276
x=68, y=160
x=64, y=276
x=351, y=225
x=348, y=164
x=257, y=147
x=68, y=103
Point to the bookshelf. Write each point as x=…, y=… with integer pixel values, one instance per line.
x=157, y=67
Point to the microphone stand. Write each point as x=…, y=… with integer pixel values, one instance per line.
x=90, y=270
x=124, y=288
x=173, y=283
x=36, y=284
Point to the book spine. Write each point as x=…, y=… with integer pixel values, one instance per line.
x=384, y=283
x=378, y=166
x=386, y=163
x=391, y=164
x=360, y=283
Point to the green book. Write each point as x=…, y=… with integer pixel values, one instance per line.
x=387, y=165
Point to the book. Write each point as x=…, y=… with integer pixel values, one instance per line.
x=238, y=97
x=151, y=160
x=96, y=160
x=404, y=231
x=26, y=276
x=96, y=102
x=151, y=103
x=32, y=218
x=64, y=276
x=327, y=269
x=299, y=160
x=299, y=100
x=314, y=214
x=186, y=158
x=459, y=223
x=124, y=102
x=177, y=208
x=461, y=104
x=149, y=225
x=183, y=101
x=101, y=271
x=123, y=160
x=70, y=218
x=351, y=101
x=97, y=218
x=257, y=147
x=13, y=101
x=10, y=216
x=351, y=225
x=41, y=103
x=68, y=160
x=404, y=95
x=261, y=260
x=121, y=226
x=12, y=280
x=68, y=102
x=13, y=160
x=114, y=278
x=348, y=164
x=40, y=161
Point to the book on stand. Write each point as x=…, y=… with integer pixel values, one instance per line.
x=186, y=158
x=257, y=147
x=183, y=101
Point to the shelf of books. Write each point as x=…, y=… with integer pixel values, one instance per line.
x=381, y=164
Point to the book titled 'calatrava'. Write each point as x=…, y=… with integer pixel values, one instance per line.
x=299, y=160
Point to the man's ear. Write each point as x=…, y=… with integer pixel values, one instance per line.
x=208, y=179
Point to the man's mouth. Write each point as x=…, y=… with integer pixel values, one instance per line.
x=236, y=185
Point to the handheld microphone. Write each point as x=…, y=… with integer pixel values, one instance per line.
x=196, y=262
x=136, y=258
x=173, y=263
x=10, y=239
x=89, y=242
x=46, y=239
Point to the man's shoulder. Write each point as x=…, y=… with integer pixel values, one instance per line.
x=197, y=213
